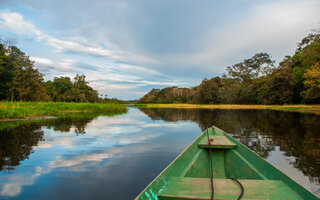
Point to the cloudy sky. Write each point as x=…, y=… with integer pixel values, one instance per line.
x=126, y=48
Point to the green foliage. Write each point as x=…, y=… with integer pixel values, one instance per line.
x=278, y=87
x=6, y=73
x=84, y=93
x=32, y=109
x=209, y=90
x=306, y=56
x=259, y=65
x=27, y=83
x=150, y=97
x=171, y=95
x=62, y=89
x=312, y=84
x=114, y=101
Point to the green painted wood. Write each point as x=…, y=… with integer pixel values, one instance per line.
x=219, y=142
x=199, y=188
x=200, y=167
x=191, y=164
x=191, y=167
x=247, y=170
x=218, y=164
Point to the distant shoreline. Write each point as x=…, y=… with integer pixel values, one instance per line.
x=315, y=109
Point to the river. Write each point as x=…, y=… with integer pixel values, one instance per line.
x=103, y=157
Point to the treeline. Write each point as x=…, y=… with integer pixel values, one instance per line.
x=256, y=80
x=20, y=81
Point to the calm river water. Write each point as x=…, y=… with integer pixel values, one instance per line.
x=116, y=157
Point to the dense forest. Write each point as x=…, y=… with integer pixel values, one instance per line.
x=20, y=81
x=256, y=80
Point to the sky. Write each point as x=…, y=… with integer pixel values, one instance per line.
x=126, y=48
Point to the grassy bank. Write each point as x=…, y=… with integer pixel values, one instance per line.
x=293, y=108
x=17, y=110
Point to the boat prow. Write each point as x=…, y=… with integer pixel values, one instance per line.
x=236, y=170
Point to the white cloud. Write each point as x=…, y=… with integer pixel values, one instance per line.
x=46, y=64
x=77, y=160
x=16, y=23
x=275, y=27
x=11, y=189
x=63, y=45
x=165, y=83
x=15, y=182
x=42, y=61
x=138, y=69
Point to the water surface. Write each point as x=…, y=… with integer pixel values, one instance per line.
x=116, y=157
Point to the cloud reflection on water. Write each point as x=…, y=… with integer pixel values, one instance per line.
x=67, y=151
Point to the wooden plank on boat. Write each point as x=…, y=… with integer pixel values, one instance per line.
x=218, y=142
x=199, y=188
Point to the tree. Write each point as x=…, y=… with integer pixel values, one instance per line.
x=209, y=90
x=312, y=84
x=6, y=73
x=307, y=41
x=243, y=90
x=62, y=89
x=259, y=65
x=27, y=83
x=150, y=97
x=306, y=56
x=278, y=87
x=50, y=88
x=83, y=92
x=227, y=93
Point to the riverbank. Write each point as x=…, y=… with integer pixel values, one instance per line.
x=292, y=108
x=34, y=110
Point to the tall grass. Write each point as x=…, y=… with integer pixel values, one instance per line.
x=291, y=108
x=34, y=109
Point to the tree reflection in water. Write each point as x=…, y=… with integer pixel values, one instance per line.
x=65, y=124
x=297, y=135
x=18, y=139
x=17, y=143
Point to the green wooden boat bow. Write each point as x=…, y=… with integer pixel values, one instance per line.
x=188, y=176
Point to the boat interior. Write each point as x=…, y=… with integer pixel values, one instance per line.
x=188, y=177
